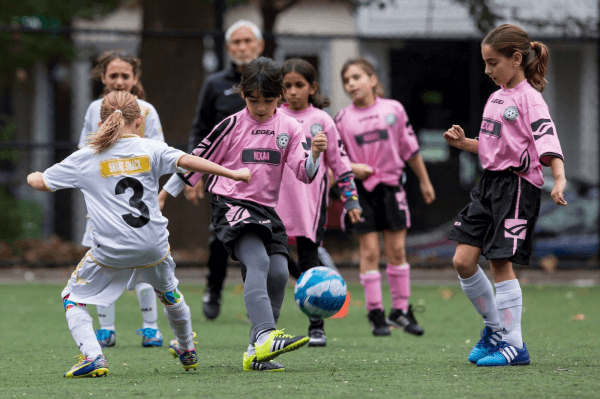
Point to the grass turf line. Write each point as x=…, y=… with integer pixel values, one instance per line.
x=36, y=349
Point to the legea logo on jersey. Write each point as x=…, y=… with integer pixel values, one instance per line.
x=267, y=132
x=316, y=129
x=125, y=166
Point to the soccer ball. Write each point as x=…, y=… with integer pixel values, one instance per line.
x=320, y=292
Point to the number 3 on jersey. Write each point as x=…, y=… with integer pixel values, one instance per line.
x=135, y=201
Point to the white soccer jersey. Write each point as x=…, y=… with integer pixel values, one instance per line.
x=150, y=129
x=120, y=187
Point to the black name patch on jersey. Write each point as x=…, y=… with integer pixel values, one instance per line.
x=267, y=132
x=491, y=127
x=371, y=137
x=261, y=155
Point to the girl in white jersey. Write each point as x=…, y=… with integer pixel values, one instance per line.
x=380, y=141
x=121, y=71
x=127, y=249
x=266, y=141
x=516, y=138
x=302, y=207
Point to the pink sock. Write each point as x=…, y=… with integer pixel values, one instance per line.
x=371, y=282
x=399, y=279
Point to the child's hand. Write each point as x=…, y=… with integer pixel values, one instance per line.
x=362, y=171
x=242, y=175
x=355, y=215
x=557, y=192
x=428, y=192
x=319, y=144
x=194, y=194
x=454, y=135
x=162, y=198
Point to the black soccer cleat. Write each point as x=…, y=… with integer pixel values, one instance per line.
x=316, y=333
x=378, y=325
x=211, y=303
x=406, y=321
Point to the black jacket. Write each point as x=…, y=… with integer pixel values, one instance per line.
x=215, y=103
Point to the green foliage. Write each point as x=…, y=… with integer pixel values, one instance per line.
x=37, y=349
x=21, y=219
x=21, y=49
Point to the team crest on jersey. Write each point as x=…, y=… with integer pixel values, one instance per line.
x=510, y=113
x=282, y=140
x=316, y=129
x=390, y=119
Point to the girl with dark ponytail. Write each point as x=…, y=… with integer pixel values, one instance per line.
x=516, y=138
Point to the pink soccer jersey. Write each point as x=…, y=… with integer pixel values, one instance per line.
x=380, y=136
x=263, y=147
x=517, y=132
x=300, y=204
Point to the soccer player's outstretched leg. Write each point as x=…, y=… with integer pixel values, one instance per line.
x=517, y=137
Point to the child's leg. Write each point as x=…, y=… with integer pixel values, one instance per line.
x=397, y=270
x=251, y=251
x=475, y=284
x=308, y=254
x=147, y=300
x=509, y=301
x=179, y=316
x=106, y=317
x=81, y=326
x=370, y=278
x=276, y=282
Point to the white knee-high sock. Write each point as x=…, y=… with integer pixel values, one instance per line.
x=480, y=292
x=106, y=317
x=82, y=329
x=180, y=320
x=509, y=302
x=147, y=300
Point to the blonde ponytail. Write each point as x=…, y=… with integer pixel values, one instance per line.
x=118, y=108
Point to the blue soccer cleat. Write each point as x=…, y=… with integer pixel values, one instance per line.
x=106, y=338
x=88, y=368
x=485, y=346
x=151, y=337
x=505, y=354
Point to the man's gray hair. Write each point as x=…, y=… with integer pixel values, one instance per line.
x=242, y=23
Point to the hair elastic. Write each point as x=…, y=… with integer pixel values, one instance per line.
x=531, y=45
x=119, y=111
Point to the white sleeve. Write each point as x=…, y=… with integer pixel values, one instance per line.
x=166, y=158
x=174, y=186
x=153, y=128
x=63, y=175
x=86, y=130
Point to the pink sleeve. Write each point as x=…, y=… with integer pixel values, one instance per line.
x=544, y=134
x=336, y=156
x=297, y=154
x=409, y=145
x=213, y=147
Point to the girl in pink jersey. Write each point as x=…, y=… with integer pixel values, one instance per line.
x=303, y=207
x=380, y=141
x=267, y=142
x=516, y=138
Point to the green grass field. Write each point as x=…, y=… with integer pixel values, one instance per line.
x=561, y=329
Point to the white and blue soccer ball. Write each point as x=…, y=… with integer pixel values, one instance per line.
x=320, y=292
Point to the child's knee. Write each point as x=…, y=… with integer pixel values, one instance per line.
x=170, y=298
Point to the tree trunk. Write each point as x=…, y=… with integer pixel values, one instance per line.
x=172, y=76
x=269, y=12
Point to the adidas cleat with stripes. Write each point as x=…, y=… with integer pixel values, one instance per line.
x=106, y=338
x=505, y=354
x=251, y=364
x=485, y=346
x=278, y=343
x=88, y=368
x=151, y=337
